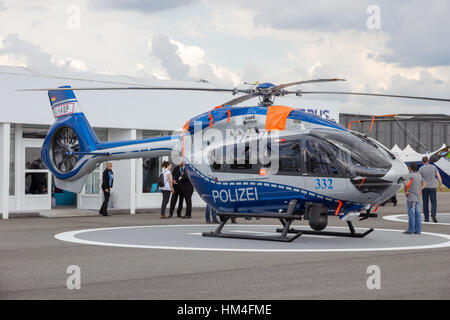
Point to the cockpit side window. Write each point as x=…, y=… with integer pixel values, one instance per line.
x=319, y=157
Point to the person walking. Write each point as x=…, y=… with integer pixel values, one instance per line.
x=413, y=188
x=177, y=194
x=166, y=186
x=393, y=199
x=429, y=173
x=187, y=190
x=107, y=184
x=208, y=215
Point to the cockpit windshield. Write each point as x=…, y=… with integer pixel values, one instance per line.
x=362, y=152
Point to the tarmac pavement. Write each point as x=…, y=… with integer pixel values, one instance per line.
x=33, y=265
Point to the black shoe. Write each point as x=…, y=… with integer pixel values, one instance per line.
x=105, y=214
x=169, y=216
x=434, y=219
x=426, y=220
x=186, y=217
x=216, y=222
x=208, y=221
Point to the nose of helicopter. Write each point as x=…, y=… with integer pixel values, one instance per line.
x=397, y=175
x=398, y=172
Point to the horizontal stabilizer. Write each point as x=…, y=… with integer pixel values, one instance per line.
x=72, y=186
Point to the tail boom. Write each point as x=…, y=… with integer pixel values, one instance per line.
x=71, y=149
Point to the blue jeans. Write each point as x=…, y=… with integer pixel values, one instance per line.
x=414, y=218
x=431, y=194
x=207, y=215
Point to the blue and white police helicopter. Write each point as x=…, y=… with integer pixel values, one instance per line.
x=263, y=161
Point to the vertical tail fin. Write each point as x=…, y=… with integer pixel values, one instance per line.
x=63, y=102
x=69, y=139
x=67, y=111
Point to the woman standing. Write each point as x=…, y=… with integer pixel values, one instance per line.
x=167, y=188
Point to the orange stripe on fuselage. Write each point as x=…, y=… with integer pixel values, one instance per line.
x=338, y=208
x=361, y=183
x=276, y=117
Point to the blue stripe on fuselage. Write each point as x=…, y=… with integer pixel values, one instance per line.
x=115, y=144
x=255, y=196
x=222, y=113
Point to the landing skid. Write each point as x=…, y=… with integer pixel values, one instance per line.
x=283, y=237
x=351, y=234
x=286, y=219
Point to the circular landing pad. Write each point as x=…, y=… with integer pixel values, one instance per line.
x=442, y=218
x=189, y=237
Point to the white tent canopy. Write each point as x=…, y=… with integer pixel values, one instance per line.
x=396, y=150
x=409, y=154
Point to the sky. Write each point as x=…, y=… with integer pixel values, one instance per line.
x=398, y=47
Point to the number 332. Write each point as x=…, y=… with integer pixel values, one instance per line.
x=324, y=184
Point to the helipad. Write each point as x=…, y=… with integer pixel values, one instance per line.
x=188, y=237
x=442, y=218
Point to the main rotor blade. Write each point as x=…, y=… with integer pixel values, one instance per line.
x=241, y=99
x=285, y=85
x=368, y=94
x=137, y=88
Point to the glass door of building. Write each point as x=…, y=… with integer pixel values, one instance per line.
x=36, y=178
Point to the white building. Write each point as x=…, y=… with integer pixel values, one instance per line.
x=115, y=115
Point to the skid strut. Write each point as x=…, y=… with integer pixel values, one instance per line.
x=351, y=234
x=286, y=220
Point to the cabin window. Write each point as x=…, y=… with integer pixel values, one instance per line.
x=290, y=158
x=243, y=159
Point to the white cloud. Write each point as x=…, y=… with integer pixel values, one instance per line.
x=15, y=51
x=144, y=6
x=190, y=55
x=184, y=62
x=230, y=42
x=72, y=65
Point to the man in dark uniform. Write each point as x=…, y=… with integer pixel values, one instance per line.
x=176, y=176
x=107, y=184
x=187, y=190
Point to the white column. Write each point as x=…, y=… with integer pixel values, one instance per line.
x=133, y=179
x=139, y=174
x=19, y=168
x=4, y=169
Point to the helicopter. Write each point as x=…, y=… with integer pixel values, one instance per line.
x=263, y=161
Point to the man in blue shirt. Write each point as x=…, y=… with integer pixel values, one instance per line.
x=107, y=184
